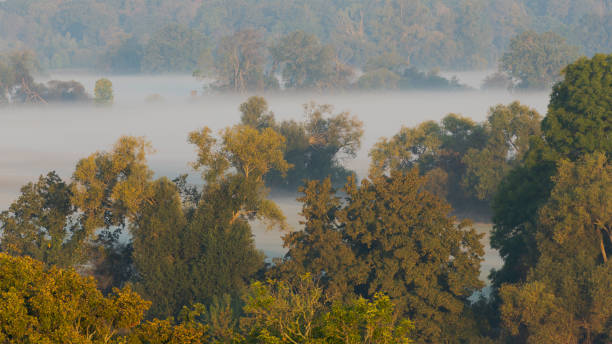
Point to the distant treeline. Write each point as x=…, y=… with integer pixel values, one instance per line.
x=135, y=36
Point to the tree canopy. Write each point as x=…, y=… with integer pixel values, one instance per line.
x=390, y=235
x=536, y=60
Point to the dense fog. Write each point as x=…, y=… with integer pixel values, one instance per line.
x=35, y=140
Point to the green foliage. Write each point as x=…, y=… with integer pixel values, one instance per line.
x=391, y=236
x=277, y=312
x=50, y=305
x=174, y=48
x=437, y=150
x=252, y=154
x=157, y=239
x=536, y=60
x=108, y=189
x=579, y=118
x=41, y=224
x=307, y=64
x=315, y=148
x=566, y=297
x=103, y=92
x=411, y=78
x=463, y=161
x=447, y=34
x=390, y=71
x=508, y=130
x=576, y=124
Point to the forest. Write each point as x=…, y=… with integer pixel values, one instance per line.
x=396, y=227
x=114, y=254
x=336, y=40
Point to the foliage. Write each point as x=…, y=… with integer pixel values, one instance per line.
x=18, y=86
x=252, y=154
x=389, y=235
x=566, y=296
x=277, y=312
x=464, y=161
x=391, y=71
x=108, y=189
x=174, y=48
x=411, y=78
x=167, y=332
x=157, y=238
x=103, y=92
x=123, y=55
x=42, y=224
x=50, y=305
x=508, y=130
x=307, y=64
x=577, y=109
x=239, y=63
x=535, y=60
x=579, y=118
x=497, y=81
x=315, y=148
x=63, y=91
x=446, y=34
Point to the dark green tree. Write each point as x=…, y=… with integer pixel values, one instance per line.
x=42, y=224
x=158, y=235
x=579, y=118
x=577, y=109
x=508, y=130
x=392, y=236
x=566, y=297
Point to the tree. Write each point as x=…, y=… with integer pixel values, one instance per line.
x=579, y=118
x=174, y=48
x=103, y=92
x=579, y=204
x=566, y=297
x=252, y=154
x=157, y=240
x=315, y=148
x=51, y=305
x=577, y=103
x=277, y=312
x=41, y=224
x=16, y=81
x=109, y=189
x=508, y=130
x=535, y=60
x=399, y=240
x=239, y=63
x=123, y=56
x=437, y=149
x=307, y=64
